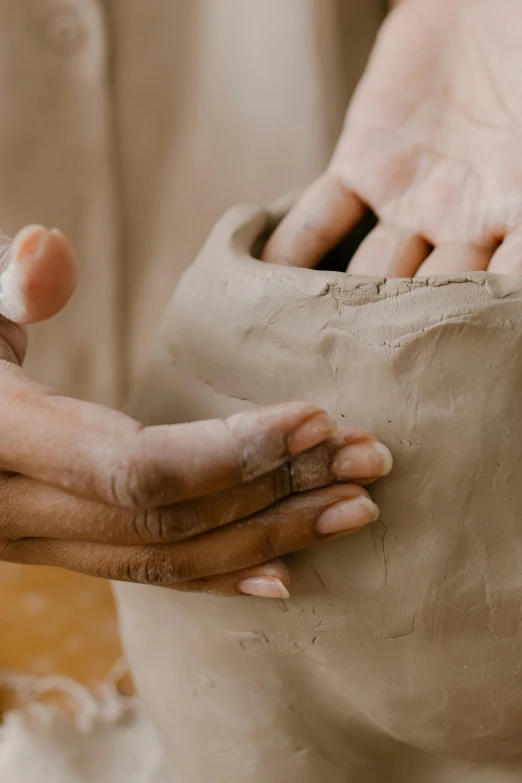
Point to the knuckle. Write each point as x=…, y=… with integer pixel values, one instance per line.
x=190, y=518
x=234, y=426
x=282, y=482
x=157, y=567
x=148, y=568
x=132, y=487
x=170, y=524
x=254, y=449
x=131, y=481
x=147, y=526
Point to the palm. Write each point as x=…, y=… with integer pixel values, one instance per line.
x=433, y=139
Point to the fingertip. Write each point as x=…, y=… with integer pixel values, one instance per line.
x=263, y=587
x=269, y=436
x=362, y=460
x=387, y=458
x=345, y=516
x=268, y=580
x=507, y=259
x=315, y=430
x=454, y=258
x=41, y=277
x=388, y=251
x=277, y=569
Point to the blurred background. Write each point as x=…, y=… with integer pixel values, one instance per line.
x=53, y=622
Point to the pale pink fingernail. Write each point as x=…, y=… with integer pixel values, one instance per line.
x=314, y=431
x=362, y=460
x=263, y=587
x=347, y=515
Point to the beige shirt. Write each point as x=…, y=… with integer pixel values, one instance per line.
x=133, y=124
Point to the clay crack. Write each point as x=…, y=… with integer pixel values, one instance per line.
x=379, y=288
x=249, y=640
x=222, y=394
x=381, y=538
x=402, y=634
x=320, y=578
x=384, y=553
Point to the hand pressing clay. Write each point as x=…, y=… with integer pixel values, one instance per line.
x=398, y=657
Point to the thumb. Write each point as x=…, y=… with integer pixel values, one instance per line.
x=38, y=274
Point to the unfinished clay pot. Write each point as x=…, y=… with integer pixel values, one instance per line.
x=398, y=656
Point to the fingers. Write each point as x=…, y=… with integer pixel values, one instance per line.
x=455, y=258
x=33, y=509
x=389, y=252
x=269, y=580
x=508, y=257
x=323, y=215
x=294, y=524
x=98, y=453
x=360, y=457
x=38, y=274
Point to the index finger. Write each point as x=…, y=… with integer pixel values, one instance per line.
x=104, y=455
x=324, y=214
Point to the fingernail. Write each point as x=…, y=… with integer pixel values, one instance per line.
x=347, y=515
x=263, y=587
x=362, y=460
x=314, y=431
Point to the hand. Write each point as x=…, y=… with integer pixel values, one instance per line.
x=199, y=507
x=432, y=144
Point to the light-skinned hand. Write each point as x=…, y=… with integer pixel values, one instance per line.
x=432, y=144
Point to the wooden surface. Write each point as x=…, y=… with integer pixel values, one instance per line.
x=55, y=622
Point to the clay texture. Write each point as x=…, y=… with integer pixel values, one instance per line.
x=398, y=656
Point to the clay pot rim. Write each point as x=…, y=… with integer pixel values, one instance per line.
x=245, y=254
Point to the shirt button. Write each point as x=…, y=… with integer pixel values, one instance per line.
x=64, y=30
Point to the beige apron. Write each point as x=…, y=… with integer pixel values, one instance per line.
x=133, y=125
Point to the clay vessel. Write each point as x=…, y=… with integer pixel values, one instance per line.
x=399, y=655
